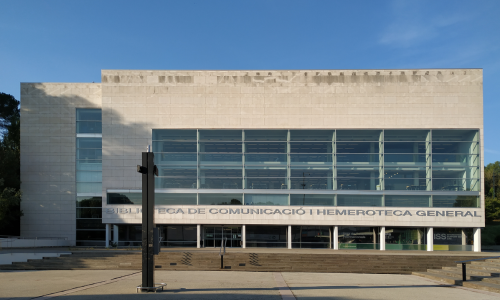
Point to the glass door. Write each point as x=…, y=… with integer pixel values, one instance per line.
x=213, y=236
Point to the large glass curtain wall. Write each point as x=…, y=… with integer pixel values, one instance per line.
x=412, y=160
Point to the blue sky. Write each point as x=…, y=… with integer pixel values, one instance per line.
x=71, y=41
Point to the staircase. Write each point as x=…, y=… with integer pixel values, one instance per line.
x=481, y=275
x=254, y=262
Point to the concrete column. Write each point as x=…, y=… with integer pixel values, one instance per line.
x=477, y=239
x=464, y=238
x=382, y=238
x=289, y=237
x=115, y=234
x=335, y=238
x=430, y=239
x=243, y=236
x=108, y=234
x=198, y=235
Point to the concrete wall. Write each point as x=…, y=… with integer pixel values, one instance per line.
x=48, y=154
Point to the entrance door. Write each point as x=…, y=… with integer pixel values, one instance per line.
x=213, y=235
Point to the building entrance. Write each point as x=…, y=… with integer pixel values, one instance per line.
x=213, y=235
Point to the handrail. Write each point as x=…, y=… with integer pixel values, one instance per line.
x=464, y=268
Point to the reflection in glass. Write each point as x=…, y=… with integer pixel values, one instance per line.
x=312, y=200
x=266, y=183
x=221, y=183
x=265, y=159
x=320, y=171
x=311, y=135
x=310, y=147
x=88, y=153
x=221, y=147
x=453, y=239
x=454, y=147
x=404, y=159
x=174, y=146
x=88, y=114
x=89, y=176
x=357, y=147
x=304, y=159
x=89, y=187
x=92, y=213
x=175, y=158
x=359, y=200
x=310, y=237
x=125, y=198
x=223, y=159
x=88, y=127
x=265, y=147
x=407, y=201
x=455, y=201
x=175, y=183
x=454, y=135
x=357, y=159
x=266, y=135
x=308, y=183
x=256, y=199
x=358, y=135
x=409, y=184
x=84, y=201
x=398, y=238
x=174, y=135
x=405, y=135
x=175, y=199
x=220, y=199
x=265, y=172
x=346, y=183
x=220, y=135
x=266, y=236
x=358, y=237
x=455, y=184
x=404, y=147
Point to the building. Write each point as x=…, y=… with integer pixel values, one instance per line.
x=361, y=159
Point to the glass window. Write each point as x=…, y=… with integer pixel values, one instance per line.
x=235, y=147
x=309, y=183
x=454, y=147
x=82, y=201
x=125, y=198
x=175, y=199
x=90, y=224
x=179, y=236
x=265, y=171
x=221, y=159
x=221, y=183
x=358, y=135
x=310, y=147
x=266, y=135
x=312, y=200
x=407, y=201
x=88, y=114
x=357, y=147
x=322, y=171
x=311, y=135
x=88, y=176
x=266, y=236
x=359, y=200
x=88, y=127
x=357, y=159
x=175, y=182
x=220, y=199
x=88, y=187
x=221, y=171
x=174, y=146
x=404, y=159
x=453, y=239
x=454, y=135
x=265, y=159
x=174, y=135
x=311, y=159
x=455, y=184
x=257, y=199
x=358, y=172
x=89, y=143
x=265, y=147
x=346, y=183
x=176, y=159
x=310, y=237
x=455, y=201
x=89, y=165
x=405, y=135
x=92, y=235
x=266, y=183
x=220, y=135
x=404, y=147
x=90, y=213
x=410, y=184
x=358, y=237
x=177, y=171
x=88, y=154
x=400, y=238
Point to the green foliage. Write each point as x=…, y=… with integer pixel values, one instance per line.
x=10, y=163
x=490, y=170
x=492, y=208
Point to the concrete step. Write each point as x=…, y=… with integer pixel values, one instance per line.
x=439, y=277
x=469, y=271
x=483, y=285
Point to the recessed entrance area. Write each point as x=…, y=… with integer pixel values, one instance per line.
x=213, y=236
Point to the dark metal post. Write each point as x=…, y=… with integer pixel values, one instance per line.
x=464, y=272
x=148, y=223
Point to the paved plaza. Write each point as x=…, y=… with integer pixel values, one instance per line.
x=120, y=284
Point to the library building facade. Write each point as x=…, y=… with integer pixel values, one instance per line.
x=339, y=159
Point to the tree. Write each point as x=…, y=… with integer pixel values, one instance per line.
x=10, y=162
x=491, y=182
